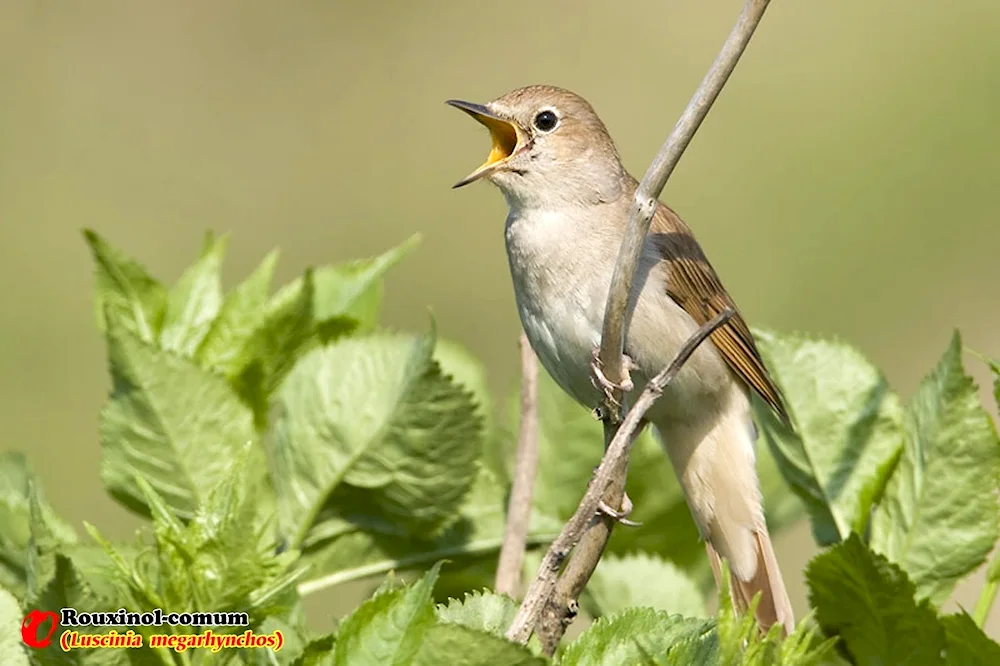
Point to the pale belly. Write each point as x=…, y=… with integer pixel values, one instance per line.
x=561, y=298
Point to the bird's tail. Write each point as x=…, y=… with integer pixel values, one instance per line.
x=718, y=474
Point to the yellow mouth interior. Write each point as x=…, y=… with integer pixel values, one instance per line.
x=504, y=138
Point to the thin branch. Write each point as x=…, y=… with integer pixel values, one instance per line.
x=508, y=579
x=544, y=584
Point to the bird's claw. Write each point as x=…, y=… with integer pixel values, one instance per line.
x=602, y=383
x=619, y=515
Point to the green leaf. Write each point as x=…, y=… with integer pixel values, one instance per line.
x=168, y=421
x=939, y=516
x=372, y=431
x=17, y=484
x=352, y=289
x=291, y=651
x=570, y=444
x=782, y=506
x=283, y=336
x=242, y=312
x=457, y=645
x=125, y=292
x=57, y=580
x=350, y=551
x=645, y=580
x=219, y=561
x=457, y=363
x=740, y=642
x=967, y=644
x=482, y=611
x=995, y=367
x=11, y=645
x=848, y=432
x=194, y=301
x=318, y=652
x=388, y=629
x=632, y=637
x=869, y=602
x=467, y=370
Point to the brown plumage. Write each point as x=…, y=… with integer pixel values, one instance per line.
x=569, y=198
x=694, y=285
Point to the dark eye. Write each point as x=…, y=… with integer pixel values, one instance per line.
x=546, y=121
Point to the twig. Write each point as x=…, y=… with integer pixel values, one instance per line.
x=591, y=545
x=544, y=584
x=525, y=466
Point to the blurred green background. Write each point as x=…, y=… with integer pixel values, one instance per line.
x=846, y=182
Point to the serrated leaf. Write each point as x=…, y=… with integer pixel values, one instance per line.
x=967, y=644
x=349, y=551
x=848, y=432
x=388, y=629
x=241, y=313
x=17, y=482
x=869, y=602
x=11, y=645
x=68, y=587
x=352, y=289
x=194, y=301
x=169, y=421
x=642, y=580
x=480, y=610
x=219, y=561
x=701, y=649
x=457, y=645
x=938, y=519
x=125, y=291
x=469, y=371
x=284, y=334
x=372, y=431
x=632, y=637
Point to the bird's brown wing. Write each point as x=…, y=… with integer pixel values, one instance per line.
x=693, y=284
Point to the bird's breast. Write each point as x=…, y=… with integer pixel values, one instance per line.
x=561, y=269
x=560, y=287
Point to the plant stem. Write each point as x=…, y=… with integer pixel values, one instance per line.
x=989, y=593
x=508, y=578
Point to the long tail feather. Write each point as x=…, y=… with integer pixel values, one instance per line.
x=718, y=475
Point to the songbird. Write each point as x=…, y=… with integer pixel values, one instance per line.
x=569, y=197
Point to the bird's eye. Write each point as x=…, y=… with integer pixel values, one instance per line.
x=546, y=121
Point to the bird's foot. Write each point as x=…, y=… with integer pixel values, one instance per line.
x=602, y=383
x=619, y=515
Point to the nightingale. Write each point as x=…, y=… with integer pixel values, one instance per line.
x=568, y=197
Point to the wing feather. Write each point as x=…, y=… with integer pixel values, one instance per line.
x=695, y=286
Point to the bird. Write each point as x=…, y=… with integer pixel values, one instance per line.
x=568, y=198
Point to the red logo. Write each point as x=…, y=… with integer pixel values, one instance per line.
x=30, y=625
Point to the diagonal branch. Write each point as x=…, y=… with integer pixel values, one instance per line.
x=542, y=587
x=508, y=578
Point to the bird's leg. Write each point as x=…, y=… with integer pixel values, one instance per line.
x=620, y=515
x=601, y=382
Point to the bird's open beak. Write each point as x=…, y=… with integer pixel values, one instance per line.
x=504, y=134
